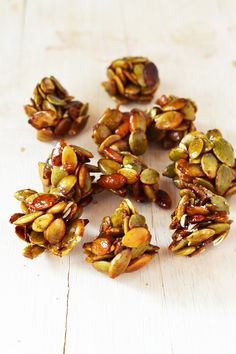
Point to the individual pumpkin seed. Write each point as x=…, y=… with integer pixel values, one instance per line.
x=44, y=119
x=186, y=251
x=195, y=148
x=138, y=251
x=28, y=218
x=169, y=120
x=180, y=210
x=101, y=266
x=135, y=237
x=73, y=236
x=117, y=217
x=111, y=118
x=69, y=159
x=108, y=142
x=55, y=231
x=57, y=174
x=205, y=183
x=224, y=151
x=42, y=222
x=139, y=72
x=113, y=181
x=224, y=178
x=189, y=111
x=56, y=100
x=149, y=176
x=119, y=263
x=219, y=227
x=23, y=194
x=177, y=153
x=176, y=246
x=209, y=165
x=37, y=238
x=231, y=190
x=169, y=171
x=130, y=174
x=138, y=142
x=213, y=133
x=81, y=151
x=33, y=251
x=108, y=166
x=139, y=262
x=67, y=183
x=101, y=246
x=43, y=201
x=220, y=202
x=137, y=220
x=150, y=74
x=47, y=85
x=200, y=236
x=220, y=238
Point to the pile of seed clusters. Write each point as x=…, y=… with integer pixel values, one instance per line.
x=203, y=167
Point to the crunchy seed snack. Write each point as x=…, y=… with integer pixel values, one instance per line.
x=172, y=118
x=200, y=218
x=204, y=159
x=47, y=222
x=53, y=112
x=132, y=79
x=123, y=244
x=128, y=174
x=121, y=131
x=67, y=173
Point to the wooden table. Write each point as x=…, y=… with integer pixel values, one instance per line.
x=175, y=305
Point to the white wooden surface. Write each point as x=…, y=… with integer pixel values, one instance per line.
x=55, y=306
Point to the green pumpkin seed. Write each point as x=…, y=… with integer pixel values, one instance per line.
x=117, y=218
x=42, y=222
x=137, y=220
x=138, y=70
x=177, y=246
x=220, y=238
x=37, y=238
x=101, y=266
x=195, y=148
x=23, y=194
x=224, y=178
x=69, y=159
x=220, y=203
x=231, y=190
x=56, y=101
x=138, y=142
x=119, y=263
x=224, y=151
x=67, y=183
x=130, y=174
x=189, y=111
x=57, y=174
x=200, y=236
x=219, y=227
x=205, y=183
x=138, y=251
x=149, y=176
x=169, y=171
x=55, y=231
x=108, y=167
x=111, y=118
x=177, y=153
x=209, y=165
x=186, y=251
x=169, y=120
x=214, y=133
x=33, y=251
x=28, y=218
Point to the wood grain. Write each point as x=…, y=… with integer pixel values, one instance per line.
x=174, y=305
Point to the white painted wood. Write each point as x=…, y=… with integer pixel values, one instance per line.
x=175, y=305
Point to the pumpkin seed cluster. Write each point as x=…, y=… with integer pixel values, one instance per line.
x=132, y=79
x=121, y=131
x=131, y=176
x=172, y=118
x=123, y=244
x=204, y=159
x=53, y=112
x=47, y=222
x=200, y=218
x=67, y=173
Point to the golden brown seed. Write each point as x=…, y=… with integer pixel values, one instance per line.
x=42, y=222
x=135, y=237
x=119, y=263
x=69, y=159
x=139, y=262
x=28, y=218
x=55, y=231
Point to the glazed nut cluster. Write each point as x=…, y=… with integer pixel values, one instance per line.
x=53, y=112
x=200, y=218
x=132, y=79
x=123, y=244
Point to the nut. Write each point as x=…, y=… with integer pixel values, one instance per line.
x=53, y=112
x=123, y=243
x=132, y=79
